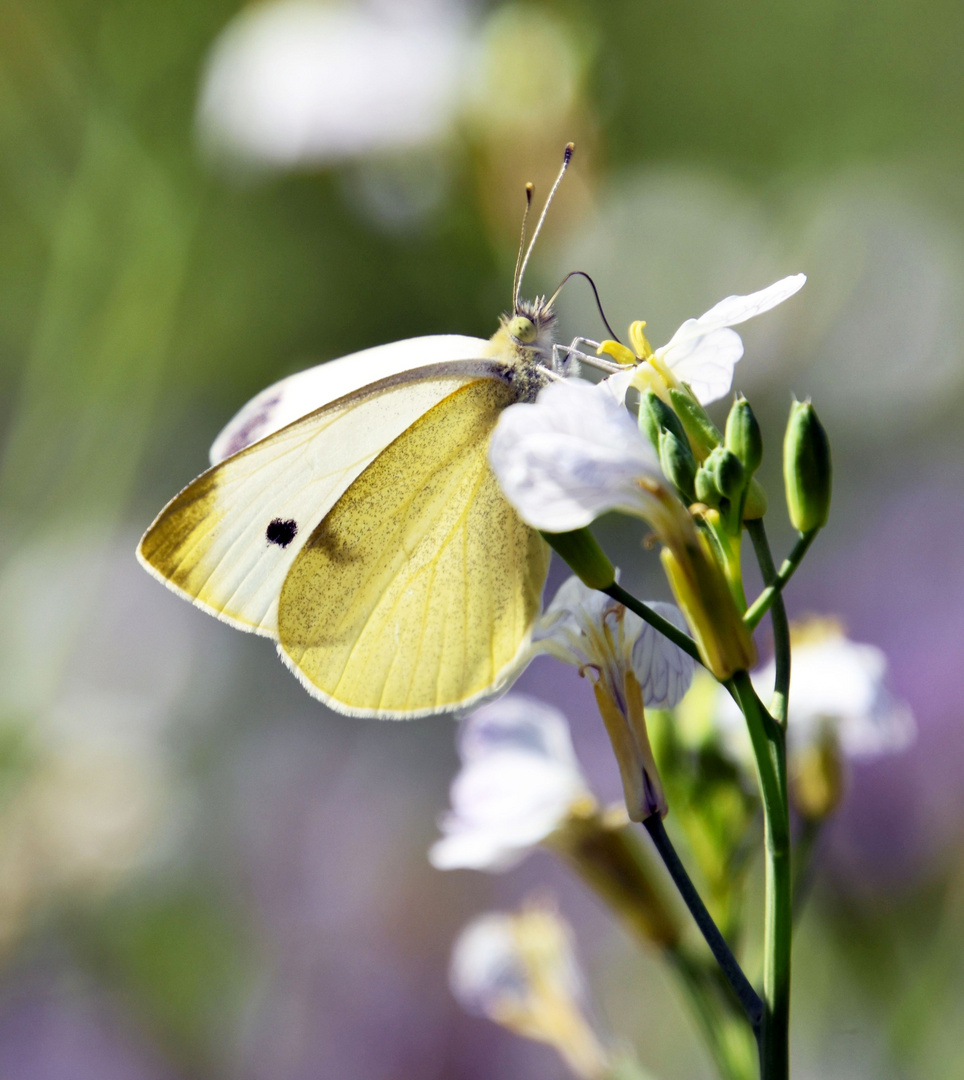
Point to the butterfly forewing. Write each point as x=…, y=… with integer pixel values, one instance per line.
x=417, y=591
x=228, y=540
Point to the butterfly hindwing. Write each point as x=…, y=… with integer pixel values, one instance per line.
x=228, y=540
x=296, y=395
x=417, y=591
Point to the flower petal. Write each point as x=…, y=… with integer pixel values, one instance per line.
x=704, y=351
x=572, y=455
x=518, y=780
x=664, y=671
x=705, y=362
x=737, y=309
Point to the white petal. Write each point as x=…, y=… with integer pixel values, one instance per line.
x=487, y=970
x=572, y=455
x=737, y=309
x=518, y=780
x=289, y=399
x=517, y=724
x=704, y=351
x=617, y=384
x=663, y=669
x=705, y=362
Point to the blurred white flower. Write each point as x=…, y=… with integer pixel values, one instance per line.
x=836, y=689
x=306, y=82
x=520, y=970
x=576, y=453
x=518, y=781
x=703, y=352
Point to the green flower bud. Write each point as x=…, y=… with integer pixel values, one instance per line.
x=581, y=551
x=756, y=500
x=705, y=487
x=807, y=472
x=728, y=473
x=678, y=463
x=655, y=416
x=703, y=434
x=743, y=435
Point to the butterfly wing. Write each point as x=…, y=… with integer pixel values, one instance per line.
x=293, y=397
x=417, y=591
x=228, y=540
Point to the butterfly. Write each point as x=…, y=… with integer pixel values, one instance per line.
x=351, y=514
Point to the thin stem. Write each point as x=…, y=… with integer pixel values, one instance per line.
x=778, y=619
x=748, y=998
x=769, y=747
x=664, y=626
x=761, y=605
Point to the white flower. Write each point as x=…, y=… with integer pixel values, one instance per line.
x=520, y=970
x=837, y=688
x=703, y=352
x=518, y=781
x=576, y=453
x=632, y=666
x=300, y=81
x=591, y=630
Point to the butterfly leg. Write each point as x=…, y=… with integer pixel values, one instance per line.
x=563, y=355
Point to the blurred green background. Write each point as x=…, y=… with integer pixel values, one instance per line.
x=204, y=873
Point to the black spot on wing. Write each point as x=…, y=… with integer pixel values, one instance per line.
x=281, y=532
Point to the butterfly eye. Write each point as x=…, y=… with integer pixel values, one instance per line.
x=522, y=329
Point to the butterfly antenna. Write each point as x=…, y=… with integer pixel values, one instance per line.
x=566, y=158
x=595, y=292
x=517, y=276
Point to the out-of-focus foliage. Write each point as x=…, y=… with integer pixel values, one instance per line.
x=201, y=871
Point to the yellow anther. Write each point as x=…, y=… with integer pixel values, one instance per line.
x=638, y=340
x=618, y=352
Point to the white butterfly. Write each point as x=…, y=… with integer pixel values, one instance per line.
x=350, y=513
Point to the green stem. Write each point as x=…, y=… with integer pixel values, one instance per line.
x=762, y=604
x=769, y=747
x=664, y=626
x=745, y=994
x=778, y=619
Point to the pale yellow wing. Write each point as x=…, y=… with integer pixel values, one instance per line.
x=228, y=540
x=417, y=592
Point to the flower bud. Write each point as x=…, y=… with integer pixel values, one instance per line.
x=704, y=597
x=703, y=434
x=807, y=472
x=705, y=487
x=743, y=435
x=756, y=500
x=727, y=473
x=677, y=462
x=656, y=416
x=817, y=778
x=582, y=552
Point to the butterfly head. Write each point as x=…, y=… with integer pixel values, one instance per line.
x=529, y=330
